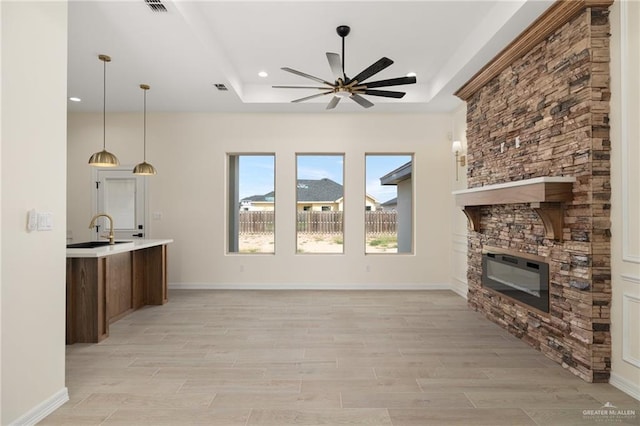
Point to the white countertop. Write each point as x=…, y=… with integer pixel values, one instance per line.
x=545, y=179
x=116, y=248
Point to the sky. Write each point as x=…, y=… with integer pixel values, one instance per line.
x=256, y=175
x=378, y=166
x=257, y=172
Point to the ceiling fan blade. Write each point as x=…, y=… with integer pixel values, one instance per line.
x=311, y=97
x=332, y=104
x=384, y=93
x=336, y=65
x=362, y=101
x=301, y=74
x=390, y=82
x=375, y=68
x=302, y=87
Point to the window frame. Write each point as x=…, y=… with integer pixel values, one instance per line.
x=341, y=236
x=408, y=248
x=234, y=205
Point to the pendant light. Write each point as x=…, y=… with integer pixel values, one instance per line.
x=144, y=168
x=104, y=158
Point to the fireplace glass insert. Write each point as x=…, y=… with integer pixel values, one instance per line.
x=525, y=279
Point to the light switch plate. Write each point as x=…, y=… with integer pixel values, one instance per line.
x=45, y=221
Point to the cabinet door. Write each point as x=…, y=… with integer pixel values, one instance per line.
x=119, y=285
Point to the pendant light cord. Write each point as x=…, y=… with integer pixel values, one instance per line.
x=104, y=105
x=144, y=129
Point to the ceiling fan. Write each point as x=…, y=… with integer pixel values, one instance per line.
x=353, y=88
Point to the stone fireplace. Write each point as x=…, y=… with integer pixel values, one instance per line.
x=540, y=110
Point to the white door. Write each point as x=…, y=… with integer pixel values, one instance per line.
x=121, y=195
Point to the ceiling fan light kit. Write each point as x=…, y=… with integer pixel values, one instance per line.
x=353, y=88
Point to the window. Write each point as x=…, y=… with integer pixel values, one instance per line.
x=251, y=204
x=320, y=203
x=389, y=203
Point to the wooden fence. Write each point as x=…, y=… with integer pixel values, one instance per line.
x=311, y=222
x=258, y=222
x=381, y=222
x=314, y=222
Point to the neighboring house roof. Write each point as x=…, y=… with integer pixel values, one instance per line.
x=260, y=198
x=309, y=190
x=398, y=175
x=391, y=202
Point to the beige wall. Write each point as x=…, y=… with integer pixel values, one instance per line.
x=189, y=151
x=625, y=197
x=34, y=85
x=459, y=220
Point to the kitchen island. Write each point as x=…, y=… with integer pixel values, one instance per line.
x=106, y=283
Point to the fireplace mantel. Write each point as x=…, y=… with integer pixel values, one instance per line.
x=544, y=194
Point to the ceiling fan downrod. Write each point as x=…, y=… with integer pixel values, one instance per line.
x=343, y=31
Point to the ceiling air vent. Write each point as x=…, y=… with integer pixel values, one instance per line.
x=221, y=87
x=156, y=5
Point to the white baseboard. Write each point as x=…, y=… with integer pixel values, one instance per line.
x=43, y=409
x=460, y=288
x=626, y=386
x=309, y=286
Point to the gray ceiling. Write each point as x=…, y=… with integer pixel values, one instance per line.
x=183, y=52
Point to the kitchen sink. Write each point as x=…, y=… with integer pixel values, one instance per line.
x=94, y=244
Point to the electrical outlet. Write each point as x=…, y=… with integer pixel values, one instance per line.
x=517, y=141
x=502, y=147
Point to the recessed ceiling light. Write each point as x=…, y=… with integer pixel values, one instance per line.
x=411, y=74
x=263, y=74
x=74, y=99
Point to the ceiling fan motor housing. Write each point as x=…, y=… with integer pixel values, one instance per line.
x=343, y=30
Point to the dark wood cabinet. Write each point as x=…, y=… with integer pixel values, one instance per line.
x=101, y=290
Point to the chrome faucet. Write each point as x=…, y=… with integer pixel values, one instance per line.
x=93, y=224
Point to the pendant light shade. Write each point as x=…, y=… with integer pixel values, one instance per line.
x=104, y=158
x=144, y=168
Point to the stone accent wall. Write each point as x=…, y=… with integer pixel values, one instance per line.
x=556, y=100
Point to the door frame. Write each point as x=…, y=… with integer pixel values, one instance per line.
x=145, y=187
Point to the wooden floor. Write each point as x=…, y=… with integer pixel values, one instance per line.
x=321, y=358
